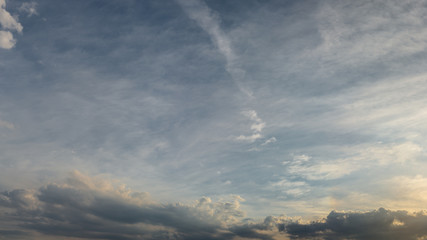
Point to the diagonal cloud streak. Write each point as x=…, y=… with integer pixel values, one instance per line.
x=210, y=23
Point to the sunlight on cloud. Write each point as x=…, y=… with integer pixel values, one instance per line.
x=98, y=207
x=359, y=157
x=229, y=113
x=10, y=23
x=406, y=191
x=257, y=126
x=6, y=40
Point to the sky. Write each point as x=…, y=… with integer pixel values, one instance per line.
x=213, y=119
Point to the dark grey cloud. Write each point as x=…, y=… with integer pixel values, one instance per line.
x=84, y=208
x=378, y=224
x=91, y=208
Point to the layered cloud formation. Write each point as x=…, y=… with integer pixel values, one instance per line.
x=298, y=107
x=95, y=208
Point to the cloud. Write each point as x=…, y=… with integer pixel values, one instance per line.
x=378, y=224
x=9, y=23
x=3, y=123
x=210, y=23
x=86, y=207
x=257, y=126
x=6, y=40
x=6, y=20
x=29, y=8
x=357, y=157
x=358, y=34
x=289, y=188
x=270, y=140
x=94, y=208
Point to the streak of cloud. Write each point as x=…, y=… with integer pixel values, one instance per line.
x=210, y=23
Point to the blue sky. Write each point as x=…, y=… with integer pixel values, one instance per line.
x=245, y=115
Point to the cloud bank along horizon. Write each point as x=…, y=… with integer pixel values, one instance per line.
x=212, y=119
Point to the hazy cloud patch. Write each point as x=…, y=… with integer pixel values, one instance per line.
x=356, y=158
x=30, y=8
x=3, y=123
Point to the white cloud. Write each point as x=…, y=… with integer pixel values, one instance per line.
x=250, y=138
x=323, y=170
x=295, y=189
x=6, y=40
x=302, y=158
x=7, y=22
x=257, y=126
x=270, y=140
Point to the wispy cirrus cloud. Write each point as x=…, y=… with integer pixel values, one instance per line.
x=358, y=34
x=209, y=21
x=358, y=157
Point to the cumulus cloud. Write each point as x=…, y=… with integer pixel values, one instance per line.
x=94, y=208
x=86, y=207
x=6, y=40
x=7, y=22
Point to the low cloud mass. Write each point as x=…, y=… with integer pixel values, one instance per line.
x=93, y=208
